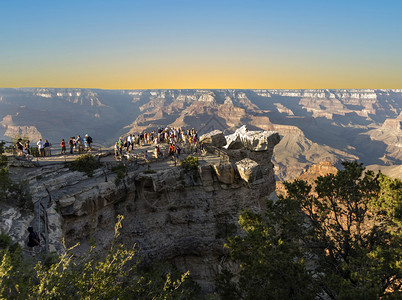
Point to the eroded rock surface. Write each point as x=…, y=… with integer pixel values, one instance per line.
x=170, y=214
x=214, y=138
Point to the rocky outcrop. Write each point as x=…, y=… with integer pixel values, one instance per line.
x=171, y=214
x=249, y=171
x=310, y=175
x=12, y=131
x=394, y=124
x=252, y=140
x=214, y=138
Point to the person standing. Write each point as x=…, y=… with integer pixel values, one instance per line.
x=40, y=148
x=63, y=147
x=171, y=151
x=146, y=156
x=86, y=142
x=46, y=147
x=78, y=144
x=132, y=139
x=33, y=239
x=120, y=144
x=177, y=150
x=27, y=147
x=116, y=150
x=19, y=147
x=71, y=144
x=89, y=141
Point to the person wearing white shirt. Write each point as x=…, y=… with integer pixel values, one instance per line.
x=40, y=147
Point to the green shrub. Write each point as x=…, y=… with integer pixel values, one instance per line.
x=12, y=192
x=5, y=241
x=120, y=170
x=115, y=275
x=190, y=163
x=85, y=163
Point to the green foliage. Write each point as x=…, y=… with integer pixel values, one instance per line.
x=390, y=200
x=163, y=281
x=113, y=276
x=5, y=241
x=120, y=170
x=271, y=258
x=339, y=241
x=12, y=192
x=3, y=158
x=85, y=163
x=190, y=163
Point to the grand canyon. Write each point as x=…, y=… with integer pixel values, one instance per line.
x=315, y=125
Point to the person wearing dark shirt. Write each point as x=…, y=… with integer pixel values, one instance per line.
x=33, y=239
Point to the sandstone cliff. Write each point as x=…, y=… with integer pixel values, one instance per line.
x=170, y=214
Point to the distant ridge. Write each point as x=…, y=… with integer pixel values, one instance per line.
x=316, y=124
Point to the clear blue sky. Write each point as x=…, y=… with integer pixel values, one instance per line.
x=201, y=44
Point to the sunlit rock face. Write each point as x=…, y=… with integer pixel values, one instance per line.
x=214, y=138
x=171, y=214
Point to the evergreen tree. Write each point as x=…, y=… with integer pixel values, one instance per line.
x=341, y=240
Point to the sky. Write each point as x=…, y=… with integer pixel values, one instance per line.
x=172, y=44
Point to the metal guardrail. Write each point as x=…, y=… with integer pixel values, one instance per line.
x=54, y=150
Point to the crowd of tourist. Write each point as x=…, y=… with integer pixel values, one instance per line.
x=76, y=144
x=174, y=138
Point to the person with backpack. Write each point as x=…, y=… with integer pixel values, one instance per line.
x=33, y=239
x=19, y=147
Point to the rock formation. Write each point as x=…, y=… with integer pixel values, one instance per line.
x=171, y=214
x=310, y=175
x=317, y=125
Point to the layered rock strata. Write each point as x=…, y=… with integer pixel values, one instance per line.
x=171, y=214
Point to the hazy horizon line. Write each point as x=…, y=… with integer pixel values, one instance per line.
x=223, y=88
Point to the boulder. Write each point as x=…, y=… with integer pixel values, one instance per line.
x=233, y=142
x=225, y=173
x=249, y=170
x=214, y=138
x=252, y=140
x=260, y=140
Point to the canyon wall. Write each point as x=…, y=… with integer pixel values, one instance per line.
x=171, y=214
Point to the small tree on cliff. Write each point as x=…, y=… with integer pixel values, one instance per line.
x=114, y=276
x=16, y=193
x=5, y=181
x=341, y=241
